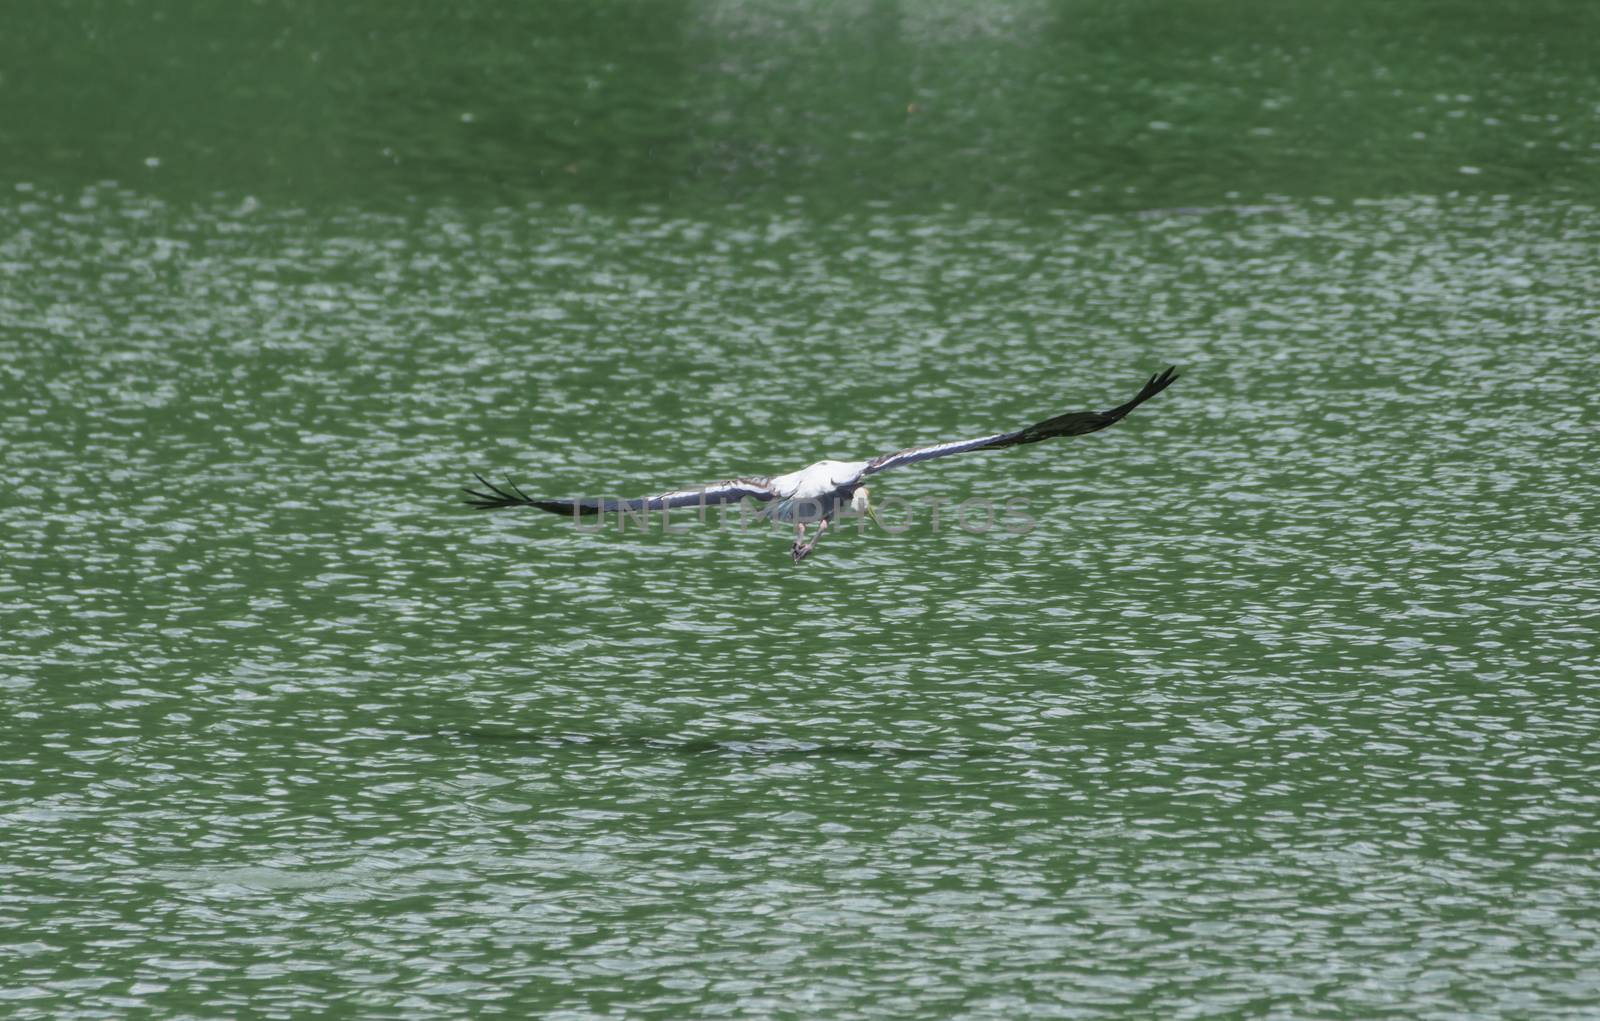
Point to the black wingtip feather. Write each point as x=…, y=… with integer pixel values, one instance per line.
x=1159, y=382
x=524, y=497
x=1083, y=422
x=495, y=497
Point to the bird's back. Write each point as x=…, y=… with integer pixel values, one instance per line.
x=816, y=481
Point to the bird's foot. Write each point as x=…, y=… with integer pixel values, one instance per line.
x=800, y=550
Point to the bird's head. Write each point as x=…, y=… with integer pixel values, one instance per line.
x=861, y=503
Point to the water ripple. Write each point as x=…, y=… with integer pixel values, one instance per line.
x=1284, y=704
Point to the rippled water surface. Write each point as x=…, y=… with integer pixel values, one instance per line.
x=1284, y=705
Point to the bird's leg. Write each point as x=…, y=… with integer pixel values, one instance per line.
x=801, y=552
x=799, y=541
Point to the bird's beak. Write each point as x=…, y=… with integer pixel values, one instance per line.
x=873, y=514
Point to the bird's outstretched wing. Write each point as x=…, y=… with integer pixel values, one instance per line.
x=730, y=491
x=1074, y=423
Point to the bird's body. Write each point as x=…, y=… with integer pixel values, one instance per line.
x=815, y=492
x=819, y=492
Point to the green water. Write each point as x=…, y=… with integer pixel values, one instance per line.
x=1285, y=706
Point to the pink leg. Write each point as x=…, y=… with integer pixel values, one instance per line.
x=802, y=551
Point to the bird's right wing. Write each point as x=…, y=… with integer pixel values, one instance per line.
x=729, y=491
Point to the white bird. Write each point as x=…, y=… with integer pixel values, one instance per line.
x=818, y=492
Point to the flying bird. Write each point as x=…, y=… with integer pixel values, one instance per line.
x=818, y=492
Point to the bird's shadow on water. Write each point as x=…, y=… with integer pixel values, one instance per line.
x=707, y=747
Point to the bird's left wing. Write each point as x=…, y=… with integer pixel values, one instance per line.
x=729, y=491
x=1075, y=423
